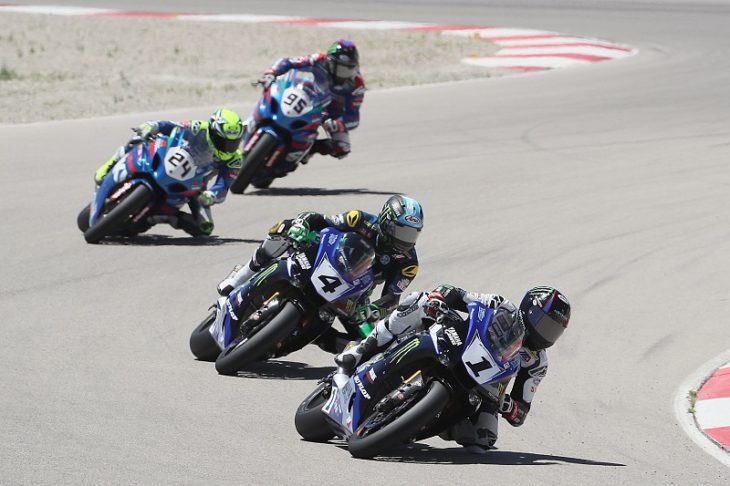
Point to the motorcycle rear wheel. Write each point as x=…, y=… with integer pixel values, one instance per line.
x=309, y=419
x=253, y=161
x=107, y=224
x=202, y=344
x=363, y=444
x=246, y=350
x=82, y=220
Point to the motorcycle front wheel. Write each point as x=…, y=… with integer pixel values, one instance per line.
x=372, y=438
x=107, y=224
x=253, y=161
x=249, y=348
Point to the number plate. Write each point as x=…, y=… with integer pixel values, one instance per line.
x=179, y=164
x=295, y=102
x=328, y=282
x=479, y=361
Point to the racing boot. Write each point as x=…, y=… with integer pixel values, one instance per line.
x=377, y=339
x=272, y=247
x=102, y=171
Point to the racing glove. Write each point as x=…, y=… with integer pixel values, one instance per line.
x=206, y=198
x=147, y=130
x=299, y=232
x=334, y=126
x=267, y=79
x=514, y=411
x=435, y=305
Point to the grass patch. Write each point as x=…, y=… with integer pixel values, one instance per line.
x=8, y=74
x=692, y=397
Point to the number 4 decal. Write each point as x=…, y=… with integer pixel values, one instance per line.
x=329, y=283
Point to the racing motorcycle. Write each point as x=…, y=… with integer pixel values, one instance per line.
x=421, y=385
x=288, y=304
x=155, y=177
x=286, y=118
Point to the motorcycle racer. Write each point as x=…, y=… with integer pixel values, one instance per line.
x=545, y=313
x=336, y=72
x=392, y=233
x=215, y=143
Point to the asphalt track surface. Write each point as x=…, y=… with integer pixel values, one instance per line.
x=609, y=182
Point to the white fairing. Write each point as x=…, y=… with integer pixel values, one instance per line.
x=295, y=102
x=476, y=353
x=337, y=406
x=179, y=164
x=327, y=281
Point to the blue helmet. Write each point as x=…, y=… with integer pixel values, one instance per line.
x=401, y=221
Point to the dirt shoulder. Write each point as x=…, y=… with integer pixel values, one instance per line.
x=54, y=67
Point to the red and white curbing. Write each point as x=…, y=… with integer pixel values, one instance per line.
x=712, y=408
x=522, y=50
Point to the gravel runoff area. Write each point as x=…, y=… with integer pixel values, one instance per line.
x=54, y=68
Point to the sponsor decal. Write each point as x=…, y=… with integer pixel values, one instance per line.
x=332, y=239
x=230, y=311
x=384, y=259
x=195, y=127
x=453, y=336
x=410, y=271
x=352, y=218
x=413, y=220
x=303, y=262
x=371, y=375
x=402, y=352
x=403, y=284
x=361, y=387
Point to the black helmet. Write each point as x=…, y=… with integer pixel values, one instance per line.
x=401, y=221
x=546, y=313
x=342, y=59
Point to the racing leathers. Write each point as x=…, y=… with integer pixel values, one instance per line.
x=342, y=113
x=199, y=222
x=395, y=270
x=479, y=432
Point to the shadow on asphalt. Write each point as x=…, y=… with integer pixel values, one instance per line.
x=285, y=370
x=314, y=191
x=418, y=453
x=165, y=240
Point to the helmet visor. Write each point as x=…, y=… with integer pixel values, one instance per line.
x=545, y=326
x=403, y=238
x=345, y=71
x=224, y=144
x=353, y=256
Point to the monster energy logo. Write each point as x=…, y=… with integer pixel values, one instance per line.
x=402, y=352
x=263, y=276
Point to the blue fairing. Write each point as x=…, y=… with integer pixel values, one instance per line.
x=329, y=238
x=276, y=112
x=175, y=179
x=480, y=317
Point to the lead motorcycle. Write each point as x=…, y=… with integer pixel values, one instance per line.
x=424, y=383
x=288, y=304
x=154, y=177
x=286, y=119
